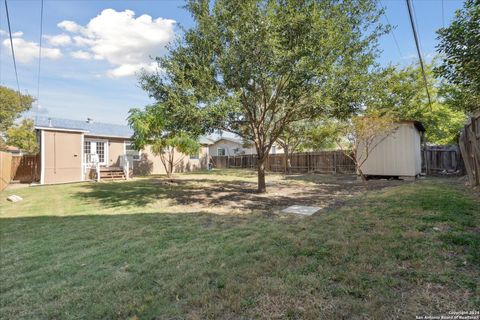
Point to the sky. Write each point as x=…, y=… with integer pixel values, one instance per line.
x=92, y=50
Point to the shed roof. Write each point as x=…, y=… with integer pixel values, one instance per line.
x=418, y=125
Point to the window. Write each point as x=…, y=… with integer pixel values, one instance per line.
x=87, y=147
x=132, y=154
x=274, y=149
x=101, y=151
x=194, y=156
x=220, y=151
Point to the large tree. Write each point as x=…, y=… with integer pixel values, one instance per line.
x=459, y=49
x=253, y=67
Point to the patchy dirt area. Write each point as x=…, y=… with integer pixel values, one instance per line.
x=236, y=194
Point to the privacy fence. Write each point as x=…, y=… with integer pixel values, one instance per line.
x=18, y=168
x=443, y=160
x=438, y=160
x=320, y=162
x=5, y=169
x=470, y=147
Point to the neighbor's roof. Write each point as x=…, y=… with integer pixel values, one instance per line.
x=205, y=140
x=90, y=128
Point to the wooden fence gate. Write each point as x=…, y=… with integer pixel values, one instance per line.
x=470, y=147
x=26, y=169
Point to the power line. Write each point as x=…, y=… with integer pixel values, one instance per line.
x=39, y=59
x=418, y=50
x=393, y=32
x=443, y=14
x=13, y=53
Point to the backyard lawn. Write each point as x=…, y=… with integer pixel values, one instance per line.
x=206, y=246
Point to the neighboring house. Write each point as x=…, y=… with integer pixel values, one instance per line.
x=398, y=154
x=223, y=145
x=71, y=149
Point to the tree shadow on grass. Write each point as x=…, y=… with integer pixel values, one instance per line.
x=203, y=193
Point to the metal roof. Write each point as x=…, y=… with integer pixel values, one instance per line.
x=90, y=128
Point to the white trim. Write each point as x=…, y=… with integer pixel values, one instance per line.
x=82, y=147
x=91, y=134
x=60, y=129
x=42, y=157
x=95, y=139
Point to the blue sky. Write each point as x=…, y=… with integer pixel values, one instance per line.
x=88, y=66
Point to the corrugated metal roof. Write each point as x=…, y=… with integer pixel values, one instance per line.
x=91, y=128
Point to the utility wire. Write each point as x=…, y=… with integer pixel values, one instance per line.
x=39, y=60
x=418, y=51
x=443, y=14
x=13, y=53
x=393, y=32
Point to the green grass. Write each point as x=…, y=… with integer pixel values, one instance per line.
x=113, y=250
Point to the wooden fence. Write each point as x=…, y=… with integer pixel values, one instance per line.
x=320, y=162
x=5, y=169
x=440, y=160
x=443, y=160
x=25, y=169
x=469, y=143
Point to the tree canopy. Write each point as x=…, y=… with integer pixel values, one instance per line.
x=22, y=136
x=156, y=127
x=252, y=67
x=12, y=105
x=401, y=92
x=459, y=49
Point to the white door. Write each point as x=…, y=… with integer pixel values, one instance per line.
x=99, y=148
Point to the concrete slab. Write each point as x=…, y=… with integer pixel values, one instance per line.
x=303, y=210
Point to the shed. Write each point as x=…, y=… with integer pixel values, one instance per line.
x=398, y=154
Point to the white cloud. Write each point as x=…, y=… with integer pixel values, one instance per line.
x=26, y=51
x=123, y=40
x=125, y=70
x=83, y=55
x=69, y=26
x=59, y=39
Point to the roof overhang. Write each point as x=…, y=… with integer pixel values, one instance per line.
x=60, y=129
x=106, y=136
x=417, y=124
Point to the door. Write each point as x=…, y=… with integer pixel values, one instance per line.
x=97, y=147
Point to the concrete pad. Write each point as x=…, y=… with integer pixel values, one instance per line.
x=303, y=210
x=14, y=198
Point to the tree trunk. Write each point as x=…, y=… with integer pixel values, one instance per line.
x=262, y=188
x=287, y=160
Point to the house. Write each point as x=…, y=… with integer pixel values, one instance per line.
x=74, y=150
x=227, y=144
x=398, y=154
x=71, y=149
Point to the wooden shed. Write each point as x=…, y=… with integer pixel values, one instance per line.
x=398, y=154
